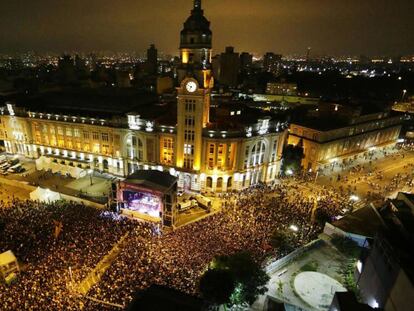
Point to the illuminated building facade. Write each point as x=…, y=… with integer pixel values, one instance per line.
x=209, y=150
x=336, y=133
x=282, y=88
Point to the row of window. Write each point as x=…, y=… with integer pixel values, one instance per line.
x=189, y=136
x=168, y=151
x=189, y=121
x=190, y=105
x=69, y=132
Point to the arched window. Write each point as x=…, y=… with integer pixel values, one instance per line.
x=229, y=182
x=219, y=182
x=257, y=154
x=105, y=164
x=209, y=182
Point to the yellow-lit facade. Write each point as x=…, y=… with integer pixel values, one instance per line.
x=204, y=160
x=365, y=133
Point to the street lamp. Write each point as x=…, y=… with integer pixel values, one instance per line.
x=90, y=172
x=403, y=94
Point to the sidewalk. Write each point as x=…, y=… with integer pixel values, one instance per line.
x=92, y=188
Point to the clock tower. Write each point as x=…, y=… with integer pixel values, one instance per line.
x=196, y=82
x=195, y=47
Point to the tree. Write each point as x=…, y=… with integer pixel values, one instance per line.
x=292, y=158
x=250, y=279
x=217, y=285
x=346, y=246
x=322, y=216
x=282, y=240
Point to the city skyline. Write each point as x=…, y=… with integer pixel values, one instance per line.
x=337, y=28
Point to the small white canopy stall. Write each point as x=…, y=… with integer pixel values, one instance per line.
x=8, y=265
x=44, y=195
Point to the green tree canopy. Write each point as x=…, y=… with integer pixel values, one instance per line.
x=282, y=240
x=250, y=279
x=292, y=158
x=217, y=285
x=322, y=216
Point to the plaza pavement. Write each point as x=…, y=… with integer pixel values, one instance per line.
x=326, y=259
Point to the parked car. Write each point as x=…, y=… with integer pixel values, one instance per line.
x=17, y=168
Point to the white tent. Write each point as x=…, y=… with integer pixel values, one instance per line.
x=8, y=264
x=45, y=163
x=44, y=195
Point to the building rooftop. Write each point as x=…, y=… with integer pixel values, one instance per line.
x=365, y=221
x=323, y=124
x=399, y=218
x=331, y=116
x=102, y=102
x=235, y=116
x=152, y=179
x=348, y=302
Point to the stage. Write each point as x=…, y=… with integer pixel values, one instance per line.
x=149, y=195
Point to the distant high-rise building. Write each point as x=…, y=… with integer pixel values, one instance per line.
x=282, y=88
x=215, y=66
x=271, y=61
x=308, y=51
x=246, y=61
x=66, y=69
x=152, y=60
x=229, y=67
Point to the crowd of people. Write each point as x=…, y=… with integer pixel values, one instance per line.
x=177, y=259
x=374, y=182
x=49, y=260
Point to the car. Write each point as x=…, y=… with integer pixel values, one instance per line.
x=5, y=166
x=186, y=205
x=14, y=161
x=15, y=168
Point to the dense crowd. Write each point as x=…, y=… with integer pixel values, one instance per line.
x=175, y=259
x=178, y=259
x=378, y=186
x=29, y=231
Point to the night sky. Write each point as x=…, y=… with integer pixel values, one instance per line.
x=336, y=27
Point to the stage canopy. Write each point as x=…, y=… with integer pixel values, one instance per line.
x=154, y=180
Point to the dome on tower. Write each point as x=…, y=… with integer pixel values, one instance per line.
x=196, y=32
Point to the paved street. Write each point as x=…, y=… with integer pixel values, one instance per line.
x=94, y=187
x=7, y=193
x=385, y=176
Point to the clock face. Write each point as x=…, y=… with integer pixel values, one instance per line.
x=191, y=86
